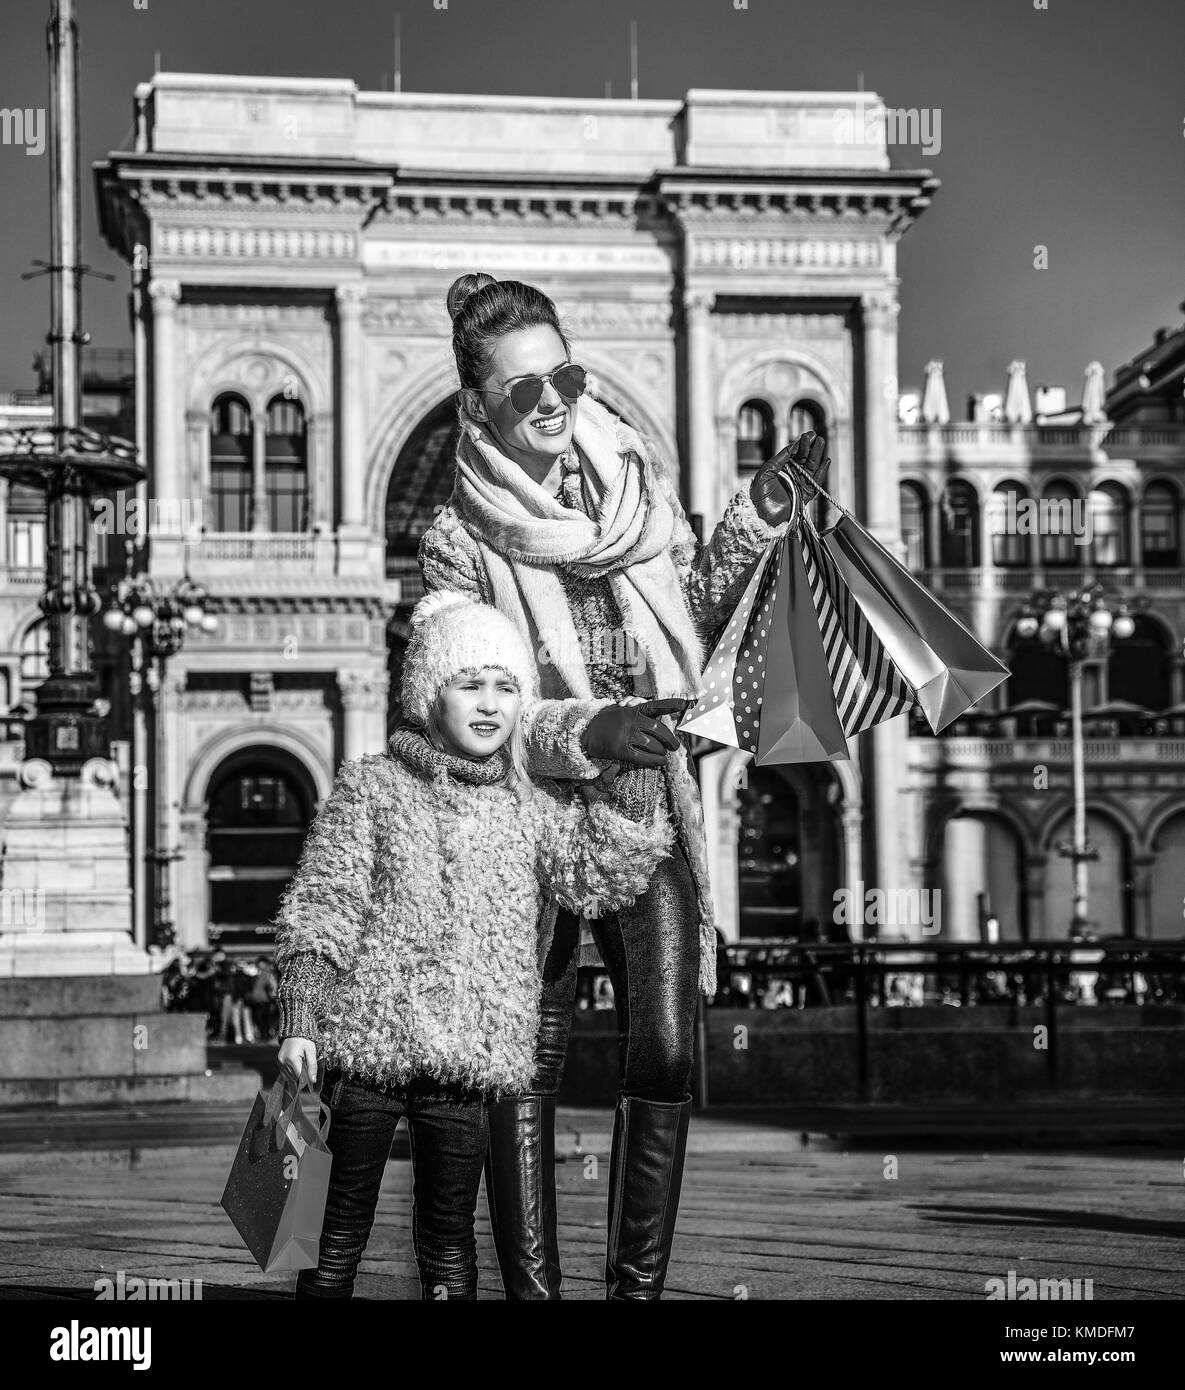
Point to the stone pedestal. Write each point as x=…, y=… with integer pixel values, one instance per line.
x=81, y=1016
x=65, y=899
x=94, y=1040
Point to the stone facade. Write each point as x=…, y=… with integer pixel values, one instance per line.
x=292, y=241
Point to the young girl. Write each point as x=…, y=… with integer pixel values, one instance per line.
x=407, y=941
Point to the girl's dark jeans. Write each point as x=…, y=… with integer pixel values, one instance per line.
x=448, y=1131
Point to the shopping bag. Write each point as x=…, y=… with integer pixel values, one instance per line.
x=947, y=667
x=833, y=636
x=279, y=1181
x=797, y=670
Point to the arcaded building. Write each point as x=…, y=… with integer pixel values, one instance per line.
x=727, y=265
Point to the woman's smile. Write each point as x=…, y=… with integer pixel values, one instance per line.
x=551, y=424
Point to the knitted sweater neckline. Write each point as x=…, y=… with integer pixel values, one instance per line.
x=411, y=746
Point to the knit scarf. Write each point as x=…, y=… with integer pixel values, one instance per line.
x=524, y=534
x=412, y=747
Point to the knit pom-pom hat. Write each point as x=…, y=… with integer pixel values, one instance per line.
x=451, y=633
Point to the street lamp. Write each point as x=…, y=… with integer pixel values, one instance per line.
x=1076, y=626
x=156, y=618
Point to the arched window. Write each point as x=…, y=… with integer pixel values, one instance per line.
x=1139, y=666
x=959, y=526
x=755, y=435
x=1011, y=525
x=769, y=856
x=804, y=416
x=286, y=465
x=1159, y=527
x=913, y=527
x=34, y=657
x=1108, y=514
x=259, y=813
x=231, y=488
x=1060, y=513
x=26, y=527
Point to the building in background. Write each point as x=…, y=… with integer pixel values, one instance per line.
x=991, y=797
x=728, y=271
x=727, y=265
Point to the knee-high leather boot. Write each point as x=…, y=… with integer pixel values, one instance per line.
x=520, y=1190
x=645, y=1177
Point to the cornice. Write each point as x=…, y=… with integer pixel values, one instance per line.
x=888, y=198
x=198, y=201
x=255, y=604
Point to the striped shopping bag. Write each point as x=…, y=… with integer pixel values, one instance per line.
x=833, y=636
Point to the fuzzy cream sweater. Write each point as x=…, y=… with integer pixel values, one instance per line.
x=407, y=941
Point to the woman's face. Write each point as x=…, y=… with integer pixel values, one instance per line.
x=546, y=431
x=476, y=713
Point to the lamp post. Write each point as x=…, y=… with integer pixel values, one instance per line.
x=1076, y=626
x=156, y=619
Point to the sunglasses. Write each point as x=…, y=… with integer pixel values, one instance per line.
x=569, y=381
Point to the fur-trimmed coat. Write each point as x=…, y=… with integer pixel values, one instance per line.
x=712, y=580
x=407, y=941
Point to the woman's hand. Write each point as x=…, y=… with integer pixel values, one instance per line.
x=298, y=1061
x=632, y=733
x=773, y=486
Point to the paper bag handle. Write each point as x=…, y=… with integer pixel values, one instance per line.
x=283, y=1115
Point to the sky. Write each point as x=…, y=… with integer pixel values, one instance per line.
x=1061, y=126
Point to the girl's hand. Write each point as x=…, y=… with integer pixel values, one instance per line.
x=298, y=1061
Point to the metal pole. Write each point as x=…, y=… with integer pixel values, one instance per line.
x=861, y=1022
x=1079, y=768
x=66, y=519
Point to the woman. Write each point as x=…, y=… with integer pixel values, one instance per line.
x=563, y=518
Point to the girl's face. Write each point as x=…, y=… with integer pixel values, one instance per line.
x=543, y=433
x=475, y=714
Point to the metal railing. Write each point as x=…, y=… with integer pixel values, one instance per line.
x=1054, y=976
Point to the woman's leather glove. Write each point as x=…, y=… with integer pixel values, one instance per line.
x=632, y=733
x=773, y=486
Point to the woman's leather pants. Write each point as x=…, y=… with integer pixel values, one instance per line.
x=651, y=951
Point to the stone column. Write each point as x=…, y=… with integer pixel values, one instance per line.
x=191, y=909
x=170, y=776
x=197, y=466
x=964, y=874
x=883, y=518
x=165, y=472
x=320, y=472
x=259, y=520
x=722, y=774
x=364, y=701
x=853, y=865
x=353, y=437
x=703, y=483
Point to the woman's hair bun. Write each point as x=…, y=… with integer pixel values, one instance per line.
x=462, y=287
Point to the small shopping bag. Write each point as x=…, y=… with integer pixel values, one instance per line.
x=279, y=1181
